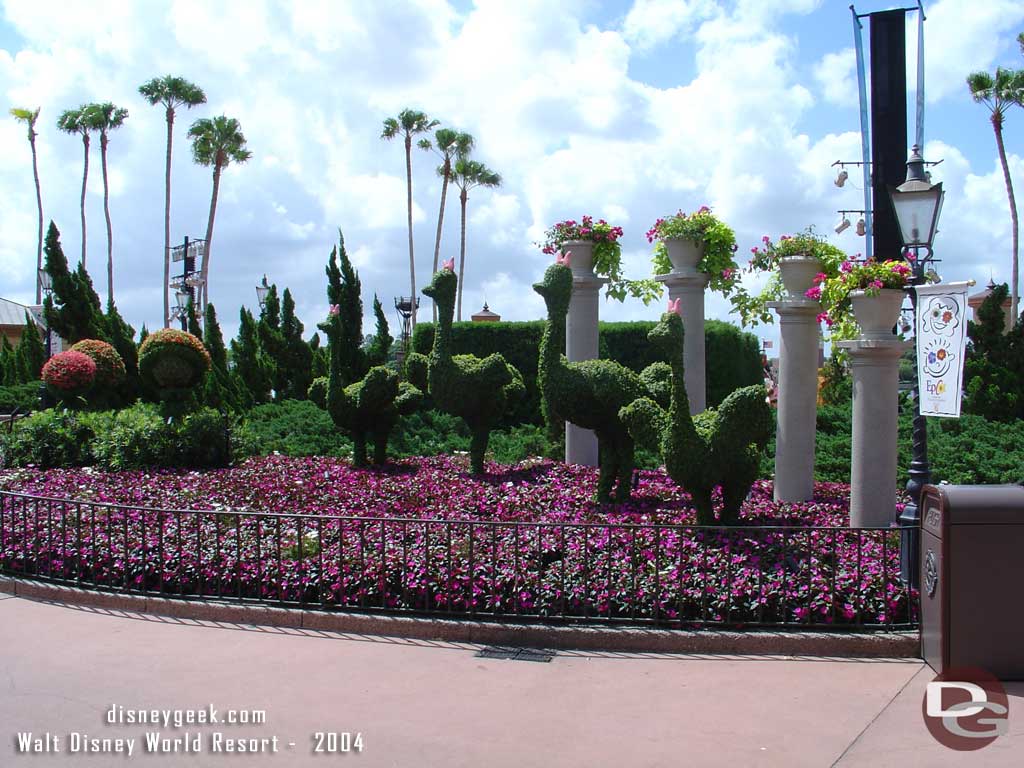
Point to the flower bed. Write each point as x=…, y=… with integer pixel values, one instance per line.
x=425, y=536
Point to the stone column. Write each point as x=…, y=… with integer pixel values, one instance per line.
x=690, y=288
x=797, y=412
x=581, y=343
x=874, y=367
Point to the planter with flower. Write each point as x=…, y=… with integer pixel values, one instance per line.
x=863, y=299
x=793, y=263
x=596, y=252
x=692, y=243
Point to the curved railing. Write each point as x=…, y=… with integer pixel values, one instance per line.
x=666, y=575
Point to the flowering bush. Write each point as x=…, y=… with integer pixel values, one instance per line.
x=607, y=255
x=69, y=375
x=521, y=540
x=753, y=308
x=834, y=291
x=110, y=369
x=173, y=362
x=702, y=226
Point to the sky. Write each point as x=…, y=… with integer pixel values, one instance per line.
x=628, y=110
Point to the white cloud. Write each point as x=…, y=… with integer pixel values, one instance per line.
x=836, y=74
x=652, y=22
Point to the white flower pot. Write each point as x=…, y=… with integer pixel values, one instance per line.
x=581, y=262
x=877, y=315
x=798, y=273
x=684, y=254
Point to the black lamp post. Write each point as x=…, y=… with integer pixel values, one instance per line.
x=46, y=283
x=190, y=278
x=261, y=293
x=917, y=203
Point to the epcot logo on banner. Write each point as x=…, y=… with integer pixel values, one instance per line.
x=941, y=344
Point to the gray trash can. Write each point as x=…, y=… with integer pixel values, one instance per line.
x=972, y=578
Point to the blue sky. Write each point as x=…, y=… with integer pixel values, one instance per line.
x=629, y=110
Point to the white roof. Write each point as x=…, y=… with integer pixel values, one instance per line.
x=13, y=313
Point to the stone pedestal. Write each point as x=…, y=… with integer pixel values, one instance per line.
x=874, y=367
x=581, y=343
x=690, y=288
x=798, y=399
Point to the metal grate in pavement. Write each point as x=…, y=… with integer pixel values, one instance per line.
x=515, y=654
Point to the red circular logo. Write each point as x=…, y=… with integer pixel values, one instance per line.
x=966, y=708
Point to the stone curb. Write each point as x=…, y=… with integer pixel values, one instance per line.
x=585, y=638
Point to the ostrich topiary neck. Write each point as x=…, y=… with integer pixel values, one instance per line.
x=553, y=341
x=680, y=408
x=443, y=335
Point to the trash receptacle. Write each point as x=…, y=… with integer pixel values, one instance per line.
x=972, y=577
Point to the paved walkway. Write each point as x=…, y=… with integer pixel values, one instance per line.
x=417, y=703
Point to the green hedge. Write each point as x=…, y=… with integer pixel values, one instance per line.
x=136, y=437
x=733, y=356
x=23, y=396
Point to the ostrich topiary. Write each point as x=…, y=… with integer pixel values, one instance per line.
x=717, y=447
x=589, y=393
x=478, y=390
x=368, y=410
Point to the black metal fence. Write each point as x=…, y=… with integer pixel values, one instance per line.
x=665, y=575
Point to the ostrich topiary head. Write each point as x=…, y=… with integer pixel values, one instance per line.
x=556, y=289
x=442, y=288
x=667, y=336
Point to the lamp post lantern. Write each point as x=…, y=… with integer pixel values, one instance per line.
x=261, y=293
x=917, y=204
x=190, y=279
x=46, y=283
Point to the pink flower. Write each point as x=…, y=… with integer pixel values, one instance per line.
x=449, y=265
x=754, y=250
x=334, y=310
x=821, y=277
x=765, y=239
x=876, y=284
x=676, y=306
x=846, y=266
x=813, y=293
x=563, y=259
x=728, y=273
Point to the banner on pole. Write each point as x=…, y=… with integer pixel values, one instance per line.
x=941, y=343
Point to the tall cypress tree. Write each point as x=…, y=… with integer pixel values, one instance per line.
x=221, y=389
x=143, y=334
x=377, y=353
x=73, y=309
x=192, y=319
x=298, y=357
x=31, y=354
x=343, y=291
x=8, y=369
x=122, y=338
x=250, y=364
x=321, y=361
x=272, y=343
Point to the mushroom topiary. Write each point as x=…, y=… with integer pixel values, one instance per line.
x=717, y=447
x=110, y=370
x=69, y=375
x=173, y=363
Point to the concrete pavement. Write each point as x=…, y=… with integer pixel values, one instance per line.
x=418, y=703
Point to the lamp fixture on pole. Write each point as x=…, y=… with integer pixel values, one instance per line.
x=917, y=204
x=261, y=293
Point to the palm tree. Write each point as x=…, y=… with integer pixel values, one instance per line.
x=448, y=144
x=105, y=118
x=408, y=123
x=217, y=142
x=468, y=174
x=28, y=116
x=73, y=121
x=172, y=92
x=998, y=93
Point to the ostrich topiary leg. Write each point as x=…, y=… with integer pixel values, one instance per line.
x=702, y=503
x=358, y=449
x=606, y=472
x=736, y=487
x=380, y=447
x=477, y=450
x=625, y=465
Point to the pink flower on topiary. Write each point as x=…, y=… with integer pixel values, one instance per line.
x=676, y=306
x=110, y=370
x=563, y=258
x=449, y=265
x=334, y=310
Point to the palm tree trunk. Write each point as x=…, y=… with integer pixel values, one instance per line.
x=85, y=178
x=440, y=222
x=997, y=124
x=204, y=288
x=106, y=214
x=463, y=197
x=408, y=196
x=167, y=220
x=39, y=205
